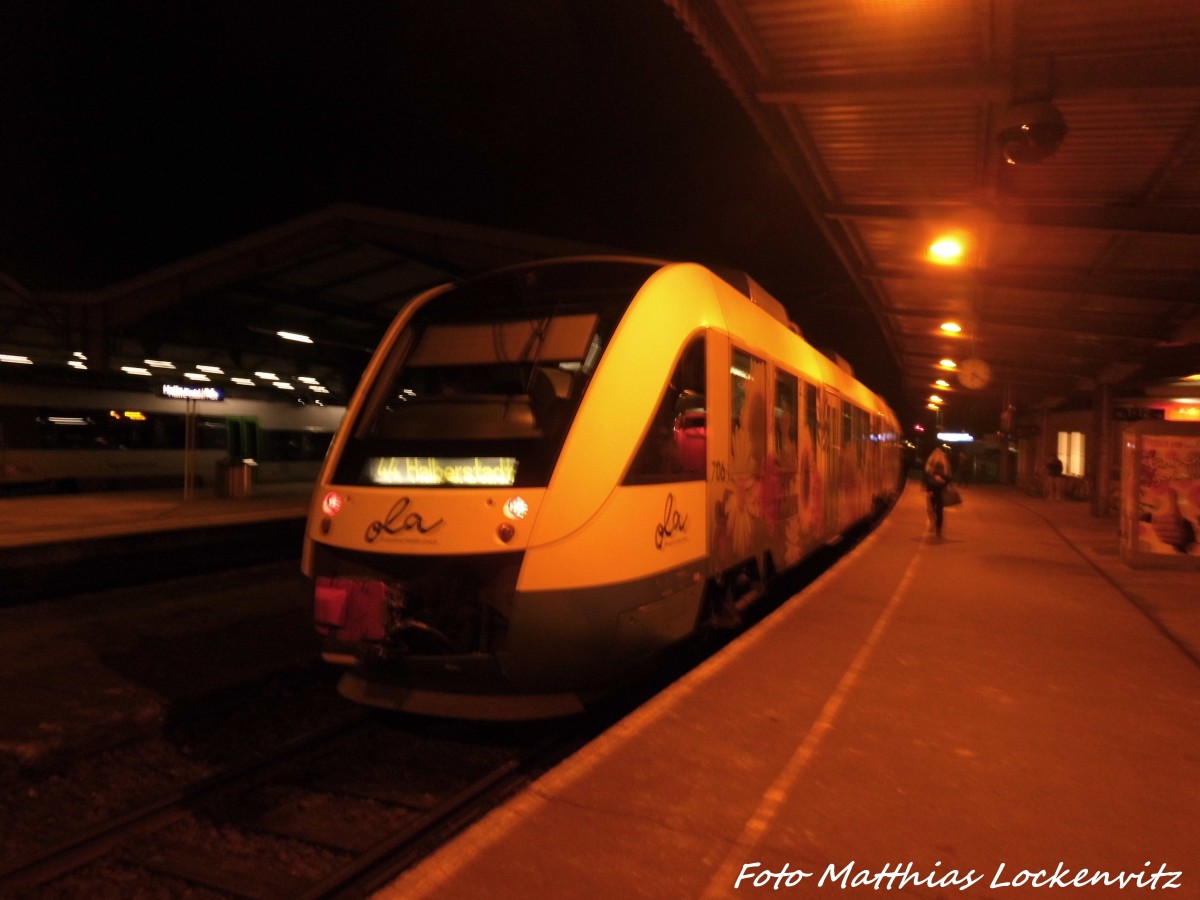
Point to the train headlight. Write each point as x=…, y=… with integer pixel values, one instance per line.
x=332, y=504
x=515, y=508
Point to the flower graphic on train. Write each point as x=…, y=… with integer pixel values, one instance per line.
x=794, y=543
x=770, y=495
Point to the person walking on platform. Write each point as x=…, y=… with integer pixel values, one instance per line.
x=937, y=479
x=1054, y=475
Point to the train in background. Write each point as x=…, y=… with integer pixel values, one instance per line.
x=551, y=473
x=84, y=440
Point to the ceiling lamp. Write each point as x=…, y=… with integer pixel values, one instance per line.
x=947, y=250
x=951, y=328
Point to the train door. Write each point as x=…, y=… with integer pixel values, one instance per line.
x=782, y=488
x=812, y=486
x=845, y=470
x=741, y=527
x=861, y=469
x=833, y=434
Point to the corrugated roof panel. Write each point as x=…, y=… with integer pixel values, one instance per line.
x=1023, y=247
x=1104, y=26
x=919, y=152
x=1159, y=254
x=835, y=37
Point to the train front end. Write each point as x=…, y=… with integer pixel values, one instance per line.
x=424, y=512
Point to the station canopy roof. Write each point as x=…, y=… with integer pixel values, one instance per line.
x=1077, y=270
x=896, y=120
x=337, y=277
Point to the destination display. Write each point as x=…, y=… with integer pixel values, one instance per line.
x=429, y=470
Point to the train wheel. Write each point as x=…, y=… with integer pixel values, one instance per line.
x=727, y=598
x=719, y=609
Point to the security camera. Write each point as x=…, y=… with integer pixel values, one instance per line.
x=1030, y=132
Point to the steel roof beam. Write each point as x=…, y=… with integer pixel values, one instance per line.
x=1167, y=73
x=1115, y=285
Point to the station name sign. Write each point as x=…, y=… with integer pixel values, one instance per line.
x=191, y=392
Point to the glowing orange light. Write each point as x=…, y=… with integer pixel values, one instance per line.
x=942, y=383
x=947, y=250
x=948, y=364
x=951, y=328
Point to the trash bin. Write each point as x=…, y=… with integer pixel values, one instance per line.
x=234, y=479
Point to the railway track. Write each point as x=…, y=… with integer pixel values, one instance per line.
x=335, y=814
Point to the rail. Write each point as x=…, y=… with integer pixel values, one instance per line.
x=162, y=841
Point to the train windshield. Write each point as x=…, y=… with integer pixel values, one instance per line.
x=482, y=385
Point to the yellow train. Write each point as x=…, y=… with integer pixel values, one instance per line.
x=551, y=473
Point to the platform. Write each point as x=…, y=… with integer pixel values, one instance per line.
x=996, y=711
x=57, y=518
x=57, y=544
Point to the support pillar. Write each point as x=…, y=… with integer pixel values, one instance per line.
x=1100, y=453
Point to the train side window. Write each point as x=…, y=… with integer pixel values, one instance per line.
x=748, y=423
x=812, y=412
x=18, y=429
x=861, y=429
x=675, y=446
x=787, y=419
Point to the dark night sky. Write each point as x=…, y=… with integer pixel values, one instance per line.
x=138, y=133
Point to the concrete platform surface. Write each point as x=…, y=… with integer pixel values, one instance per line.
x=987, y=715
x=61, y=518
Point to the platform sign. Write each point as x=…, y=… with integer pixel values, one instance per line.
x=192, y=392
